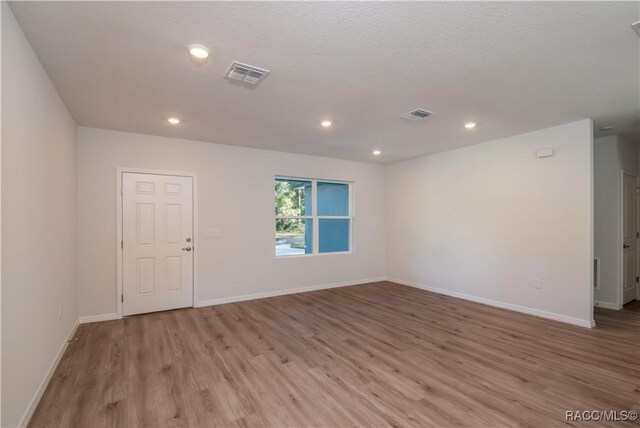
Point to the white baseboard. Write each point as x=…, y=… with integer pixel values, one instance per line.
x=266, y=294
x=26, y=417
x=607, y=305
x=98, y=318
x=498, y=304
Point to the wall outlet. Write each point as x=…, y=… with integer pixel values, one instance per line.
x=60, y=312
x=538, y=283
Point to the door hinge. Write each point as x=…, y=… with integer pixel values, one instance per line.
x=122, y=244
x=637, y=234
x=637, y=278
x=122, y=298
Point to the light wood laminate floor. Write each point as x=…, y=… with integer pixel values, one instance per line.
x=378, y=354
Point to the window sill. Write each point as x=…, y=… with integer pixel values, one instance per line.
x=300, y=256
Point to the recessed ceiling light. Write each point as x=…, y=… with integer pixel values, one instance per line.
x=199, y=52
x=377, y=152
x=470, y=125
x=326, y=123
x=606, y=128
x=173, y=120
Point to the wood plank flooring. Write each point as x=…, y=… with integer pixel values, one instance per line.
x=379, y=354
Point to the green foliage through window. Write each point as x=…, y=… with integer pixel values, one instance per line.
x=290, y=202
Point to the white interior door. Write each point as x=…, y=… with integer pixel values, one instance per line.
x=629, y=235
x=157, y=250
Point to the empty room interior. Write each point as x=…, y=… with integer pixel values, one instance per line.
x=320, y=214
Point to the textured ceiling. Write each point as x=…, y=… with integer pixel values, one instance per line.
x=511, y=66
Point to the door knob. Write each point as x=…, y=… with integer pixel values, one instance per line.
x=625, y=246
x=187, y=249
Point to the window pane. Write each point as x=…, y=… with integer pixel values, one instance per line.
x=293, y=197
x=333, y=199
x=334, y=235
x=294, y=236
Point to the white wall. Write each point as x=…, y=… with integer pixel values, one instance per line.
x=628, y=152
x=483, y=222
x=235, y=195
x=39, y=263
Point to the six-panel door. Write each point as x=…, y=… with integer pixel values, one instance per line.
x=157, y=226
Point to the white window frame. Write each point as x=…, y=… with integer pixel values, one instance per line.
x=315, y=218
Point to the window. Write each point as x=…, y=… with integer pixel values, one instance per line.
x=312, y=216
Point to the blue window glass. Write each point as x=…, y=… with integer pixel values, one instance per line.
x=334, y=235
x=333, y=199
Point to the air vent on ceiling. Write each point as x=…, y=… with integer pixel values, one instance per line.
x=417, y=115
x=246, y=73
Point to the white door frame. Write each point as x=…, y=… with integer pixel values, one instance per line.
x=638, y=229
x=119, y=238
x=620, y=251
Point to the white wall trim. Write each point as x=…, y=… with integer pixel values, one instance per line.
x=607, y=305
x=620, y=243
x=591, y=229
x=119, y=251
x=98, y=318
x=498, y=304
x=223, y=300
x=33, y=404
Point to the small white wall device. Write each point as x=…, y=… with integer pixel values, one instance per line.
x=545, y=153
x=214, y=233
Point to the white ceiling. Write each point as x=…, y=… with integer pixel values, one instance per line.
x=511, y=66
